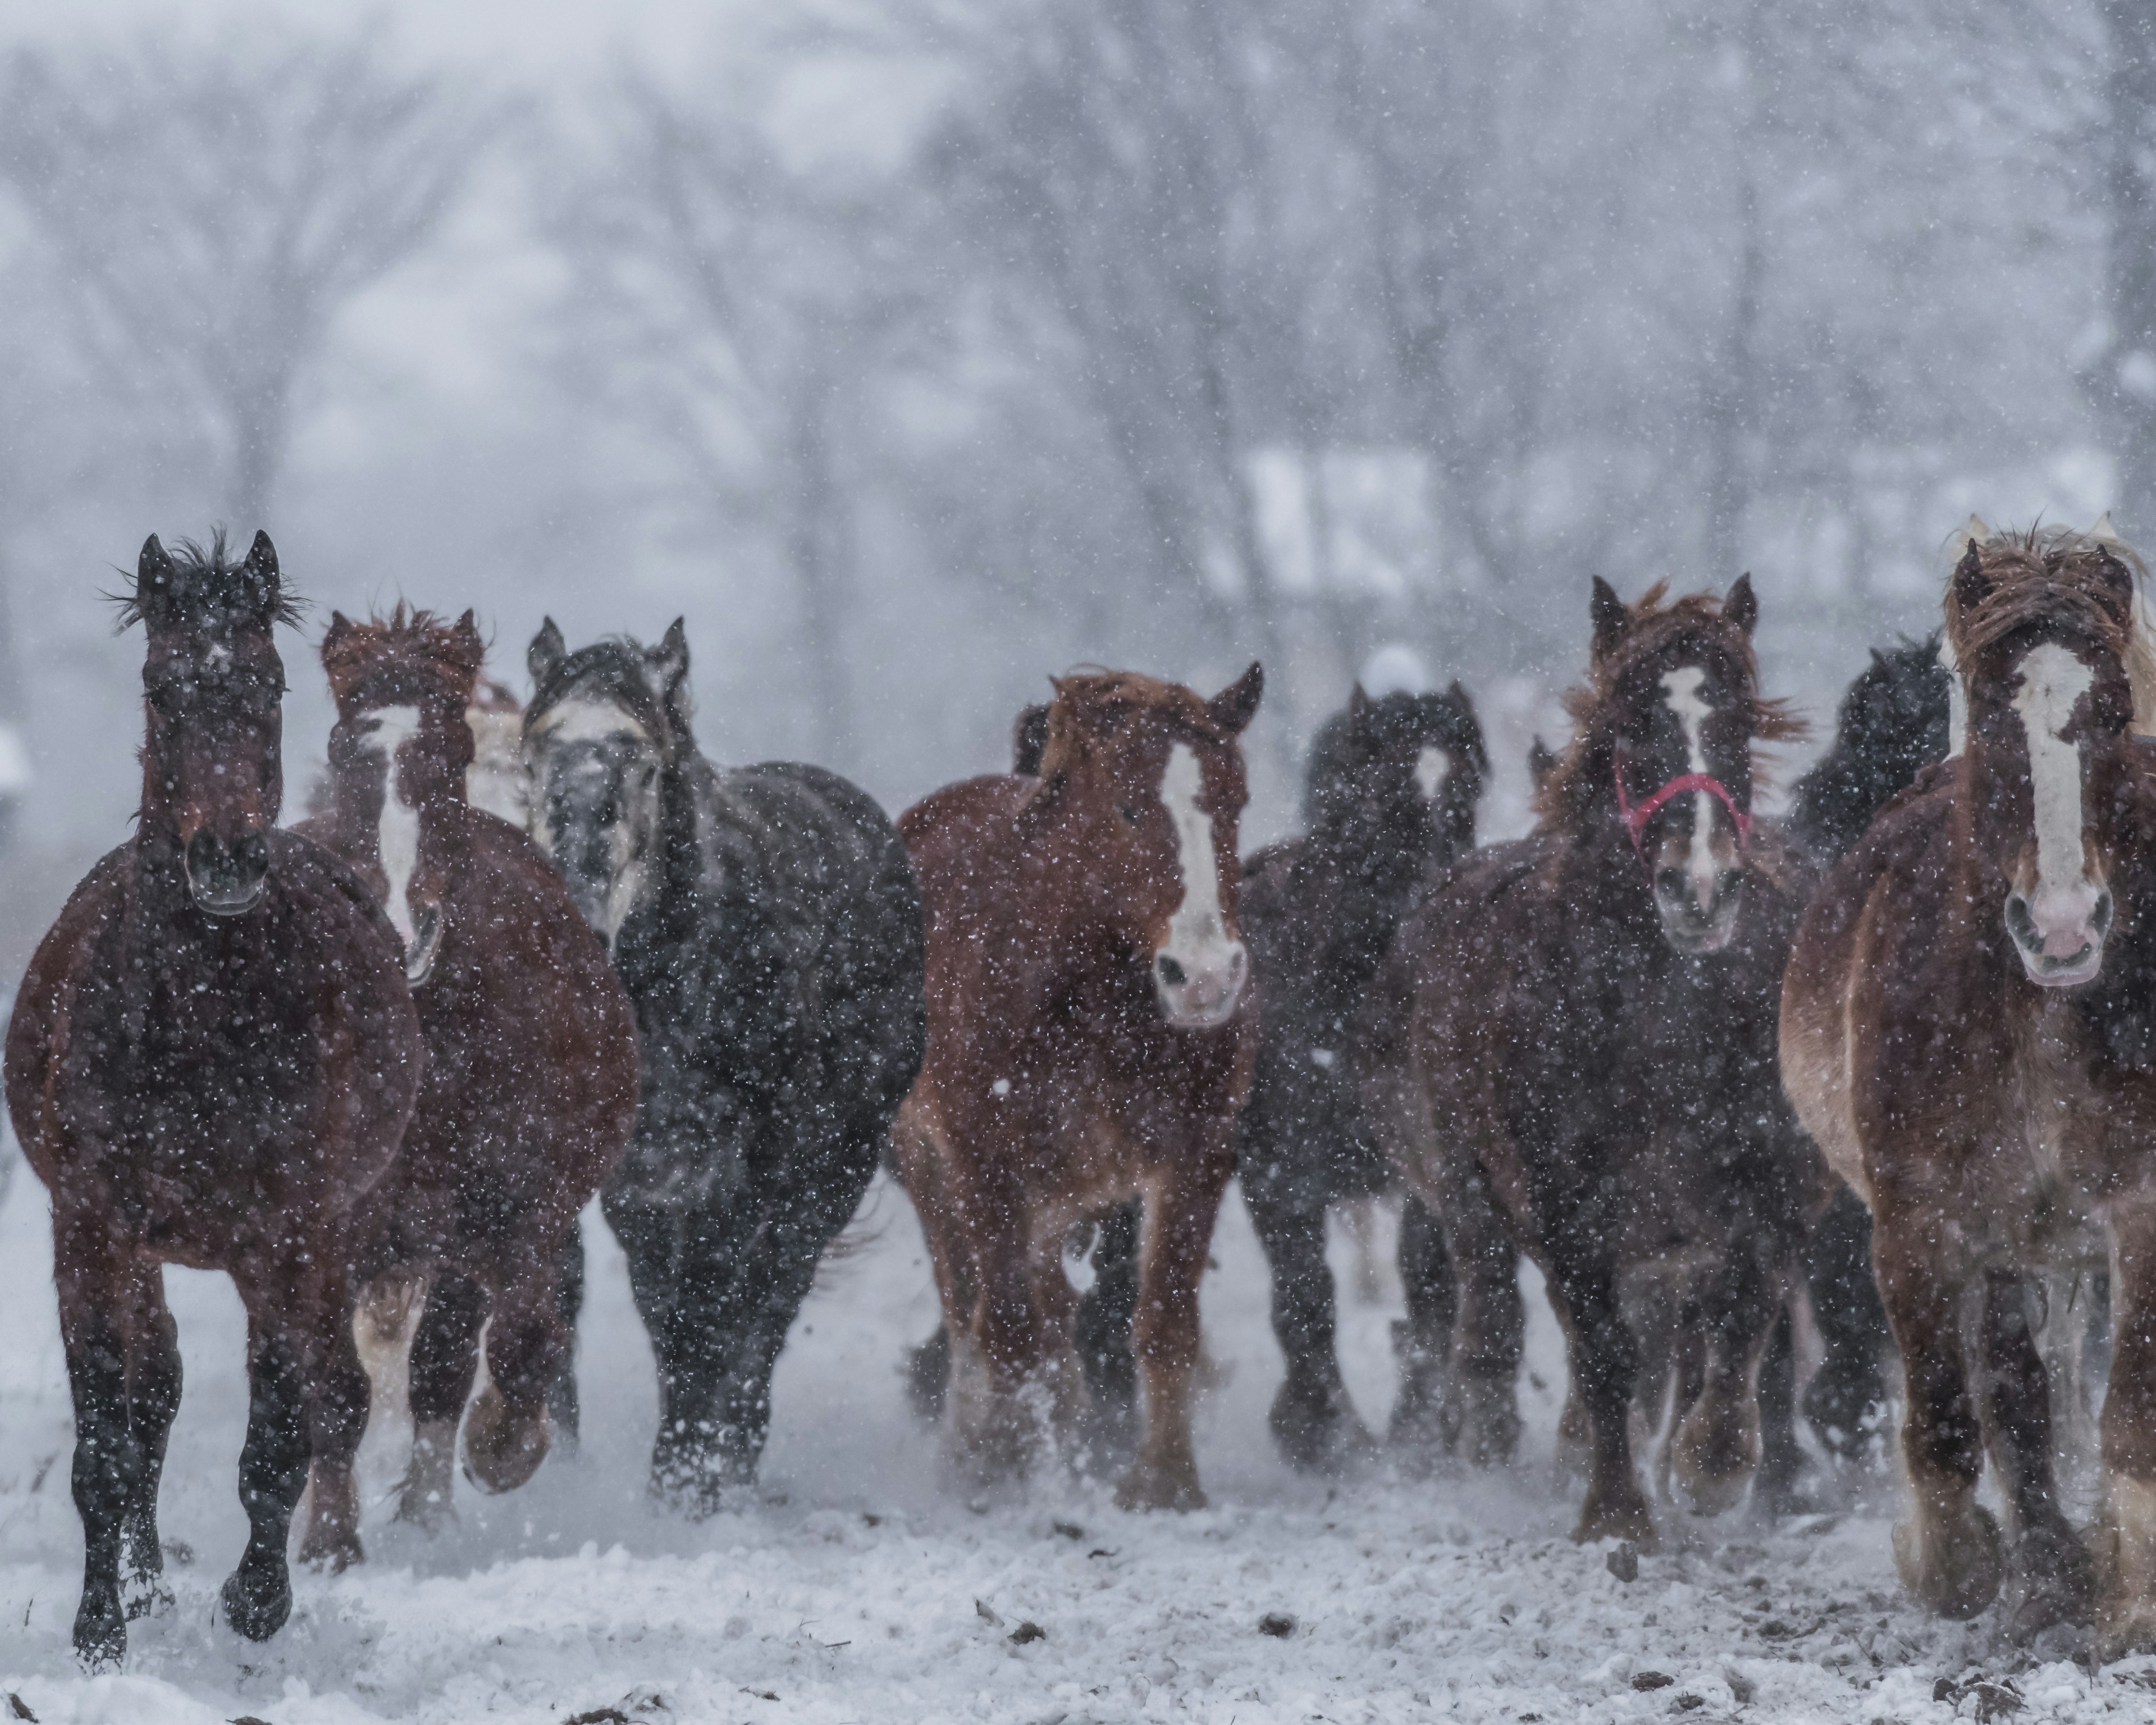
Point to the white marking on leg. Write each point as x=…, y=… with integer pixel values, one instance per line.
x=1682, y=698
x=2051, y=685
x=1432, y=768
x=398, y=842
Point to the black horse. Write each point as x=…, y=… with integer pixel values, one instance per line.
x=1892, y=723
x=1390, y=794
x=765, y=924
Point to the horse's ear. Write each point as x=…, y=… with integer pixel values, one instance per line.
x=1968, y=582
x=155, y=565
x=1742, y=607
x=1611, y=619
x=335, y=636
x=1358, y=703
x=1235, y=706
x=471, y=648
x=1464, y=705
x=670, y=658
x=2119, y=579
x=544, y=656
x=261, y=571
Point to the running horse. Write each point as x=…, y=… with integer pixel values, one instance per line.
x=1572, y=1050
x=531, y=1089
x=1085, y=1046
x=1966, y=1029
x=765, y=927
x=211, y=1061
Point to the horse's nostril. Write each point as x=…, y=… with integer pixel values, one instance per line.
x=2100, y=917
x=2020, y=923
x=1171, y=972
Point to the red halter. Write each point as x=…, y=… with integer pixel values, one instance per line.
x=1636, y=818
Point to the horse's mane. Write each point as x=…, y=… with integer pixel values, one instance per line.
x=2053, y=576
x=418, y=639
x=206, y=583
x=1579, y=783
x=1089, y=701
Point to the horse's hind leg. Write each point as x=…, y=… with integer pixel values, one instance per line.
x=1105, y=1315
x=1422, y=1341
x=1313, y=1420
x=1849, y=1384
x=445, y=1361
x=153, y=1401
x=1481, y=1413
x=506, y=1437
x=1948, y=1551
x=2056, y=1583
x=1604, y=1369
x=93, y=1282
x=2126, y=1537
x=334, y=1393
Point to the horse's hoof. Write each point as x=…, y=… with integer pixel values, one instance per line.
x=430, y=1510
x=1957, y=1571
x=1621, y=1518
x=1484, y=1421
x=1316, y=1434
x=1716, y=1453
x=332, y=1551
x=1159, y=1488
x=928, y=1373
x=2053, y=1582
x=503, y=1448
x=145, y=1596
x=100, y=1631
x=257, y=1608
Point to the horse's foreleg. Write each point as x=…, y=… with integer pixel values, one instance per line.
x=999, y=1345
x=1605, y=1366
x=654, y=1235
x=561, y=1403
x=444, y=1361
x=1948, y=1550
x=1313, y=1420
x=257, y=1597
x=334, y=1393
x=1849, y=1384
x=92, y=1279
x=1422, y=1341
x=1105, y=1315
x=506, y=1437
x=2126, y=1541
x=1718, y=1443
x=2057, y=1583
x=1481, y=1414
x=1178, y=1229
x=153, y=1402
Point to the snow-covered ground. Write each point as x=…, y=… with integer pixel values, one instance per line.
x=854, y=1588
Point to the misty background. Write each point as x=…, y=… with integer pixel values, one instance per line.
x=915, y=350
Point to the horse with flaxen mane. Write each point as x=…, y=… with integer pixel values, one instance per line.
x=531, y=1071
x=765, y=923
x=1573, y=1048
x=1084, y=1047
x=212, y=1061
x=1966, y=1027
x=1391, y=791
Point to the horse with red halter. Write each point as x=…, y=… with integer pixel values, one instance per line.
x=1966, y=1028
x=531, y=1089
x=211, y=1061
x=1085, y=1046
x=1573, y=1050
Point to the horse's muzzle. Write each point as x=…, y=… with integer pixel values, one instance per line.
x=2061, y=944
x=1695, y=921
x=1201, y=992
x=226, y=878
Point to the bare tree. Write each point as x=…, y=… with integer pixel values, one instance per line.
x=2124, y=380
x=215, y=206
x=744, y=304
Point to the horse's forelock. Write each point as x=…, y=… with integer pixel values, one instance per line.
x=611, y=672
x=2054, y=581
x=1580, y=781
x=403, y=647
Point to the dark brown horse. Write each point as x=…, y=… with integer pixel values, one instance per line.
x=1966, y=1027
x=1085, y=1046
x=211, y=1061
x=1574, y=1049
x=531, y=1089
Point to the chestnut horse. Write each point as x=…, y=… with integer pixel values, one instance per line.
x=212, y=1061
x=1085, y=1046
x=1573, y=1050
x=1966, y=1028
x=531, y=1089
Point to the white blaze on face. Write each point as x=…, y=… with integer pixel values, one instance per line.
x=2052, y=683
x=1432, y=768
x=596, y=721
x=1211, y=966
x=1681, y=693
x=398, y=842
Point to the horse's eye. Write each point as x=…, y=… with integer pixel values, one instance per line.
x=1131, y=816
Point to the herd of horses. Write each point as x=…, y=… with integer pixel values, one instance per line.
x=1887, y=1063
